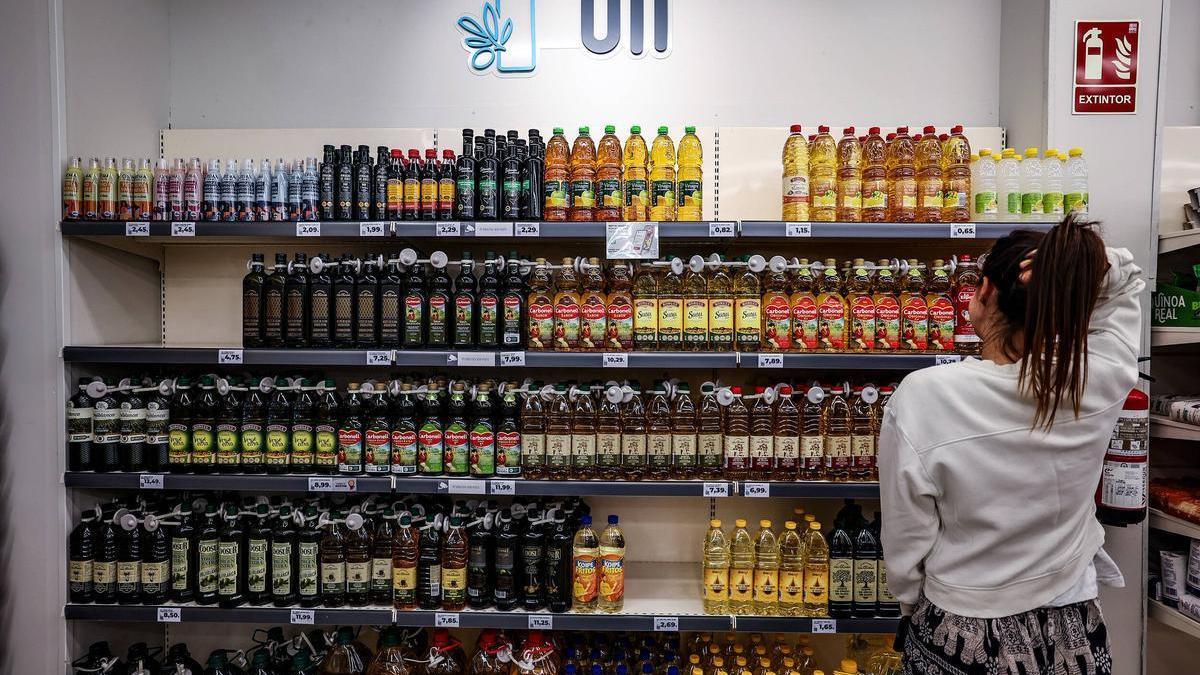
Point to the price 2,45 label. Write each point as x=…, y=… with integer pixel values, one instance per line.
x=136, y=229
x=183, y=229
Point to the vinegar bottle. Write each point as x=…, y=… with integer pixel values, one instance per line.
x=762, y=438
x=609, y=200
x=787, y=437
x=663, y=203
x=593, y=321
x=862, y=433
x=887, y=308
x=823, y=172
x=862, y=309
x=645, y=309
x=556, y=185
x=737, y=438
x=566, y=308
x=940, y=305
x=816, y=572
x=795, y=176
x=902, y=191
x=791, y=571
x=849, y=175
x=914, y=311
x=684, y=455
x=837, y=436
x=635, y=174
x=741, y=570
x=709, y=439
x=716, y=570
x=583, y=437
x=831, y=310
x=803, y=304
x=658, y=434
x=874, y=178
x=766, y=571
x=633, y=436
x=691, y=180
x=583, y=177
x=929, y=177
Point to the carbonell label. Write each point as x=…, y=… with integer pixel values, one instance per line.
x=862, y=323
x=887, y=322
x=777, y=332
x=832, y=313
x=804, y=323
x=941, y=324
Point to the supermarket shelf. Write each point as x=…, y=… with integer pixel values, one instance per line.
x=783, y=624
x=771, y=229
x=1169, y=523
x=1173, y=618
x=205, y=229
x=1162, y=336
x=809, y=490
x=523, y=229
x=239, y=482
x=562, y=488
x=864, y=361
x=1175, y=241
x=1162, y=426
x=192, y=613
x=214, y=356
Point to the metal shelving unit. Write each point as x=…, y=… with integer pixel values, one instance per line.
x=778, y=229
x=218, y=481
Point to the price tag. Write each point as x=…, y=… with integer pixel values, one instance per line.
x=137, y=229
x=533, y=229
x=372, y=228
x=943, y=359
x=383, y=358
x=304, y=617
x=493, y=229
x=227, y=357
x=308, y=229
x=797, y=229
x=541, y=622
x=721, y=229
x=445, y=620
x=666, y=624
x=631, y=241
x=477, y=359
x=962, y=231
x=150, y=481
x=770, y=360
x=184, y=229
x=718, y=489
x=332, y=484
x=466, y=487
x=448, y=229
x=170, y=614
x=512, y=358
x=756, y=489
x=824, y=625
x=616, y=360
x=503, y=487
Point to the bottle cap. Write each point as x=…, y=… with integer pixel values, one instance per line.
x=714, y=523
x=689, y=130
x=985, y=152
x=1075, y=152
x=873, y=131
x=765, y=524
x=430, y=153
x=901, y=130
x=583, y=131
x=848, y=131
x=662, y=131
x=956, y=129
x=796, y=129
x=612, y=520
x=789, y=525
x=929, y=129
x=1031, y=152
x=1007, y=152
x=849, y=665
x=1053, y=152
x=814, y=525
x=740, y=522
x=943, y=137
x=585, y=520
x=447, y=154
x=558, y=131
x=822, y=129
x=635, y=129
x=785, y=390
x=610, y=129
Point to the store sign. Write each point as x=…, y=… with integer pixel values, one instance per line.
x=1106, y=59
x=507, y=45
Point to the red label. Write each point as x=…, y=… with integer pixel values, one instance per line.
x=887, y=309
x=915, y=310
x=489, y=302
x=620, y=312
x=482, y=439
x=832, y=309
x=512, y=302
x=412, y=301
x=377, y=438
x=941, y=310
x=437, y=301
x=541, y=312
x=455, y=438
x=804, y=322
x=349, y=436
x=463, y=301
x=777, y=309
x=962, y=307
x=566, y=311
x=508, y=439
x=1106, y=64
x=593, y=311
x=404, y=438
x=430, y=437
x=863, y=308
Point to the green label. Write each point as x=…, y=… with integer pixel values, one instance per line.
x=437, y=319
x=583, y=194
x=227, y=444
x=609, y=193
x=307, y=570
x=636, y=188
x=281, y=568
x=464, y=315
x=277, y=444
x=429, y=457
x=202, y=438
x=1052, y=202
x=326, y=445
x=1076, y=201
x=483, y=450
x=557, y=194
x=178, y=444
x=414, y=315
x=206, y=572
x=228, y=559
x=985, y=203
x=1014, y=203
x=180, y=548
x=256, y=566
x=1031, y=202
x=691, y=193
x=302, y=444
x=662, y=193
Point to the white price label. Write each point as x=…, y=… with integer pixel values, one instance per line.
x=616, y=360
x=756, y=489
x=770, y=360
x=170, y=614
x=962, y=231
x=512, y=358
x=445, y=620
x=137, y=229
x=718, y=489
x=666, y=624
x=824, y=625
x=722, y=229
x=797, y=229
x=631, y=241
x=541, y=622
x=226, y=357
x=493, y=229
x=332, y=484
x=150, y=481
x=477, y=359
x=184, y=229
x=383, y=358
x=532, y=229
x=448, y=229
x=372, y=228
x=503, y=487
x=466, y=487
x=303, y=617
x=943, y=359
x=308, y=229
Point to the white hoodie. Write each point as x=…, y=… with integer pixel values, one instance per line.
x=984, y=515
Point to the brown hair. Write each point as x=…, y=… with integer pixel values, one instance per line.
x=1052, y=311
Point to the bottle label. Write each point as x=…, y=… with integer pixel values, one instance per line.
x=610, y=196
x=691, y=194
x=303, y=444
x=106, y=424
x=812, y=452
x=434, y=584
x=129, y=575
x=178, y=445
x=456, y=449
x=645, y=320
x=720, y=321
x=837, y=452
x=377, y=452
x=566, y=323
x=716, y=583
x=308, y=569
x=766, y=585
x=875, y=195
x=711, y=450
x=633, y=450
x=862, y=451
x=865, y=581
x=445, y=195
x=931, y=196
x=381, y=574
x=637, y=194
x=203, y=444
x=1123, y=485
x=429, y=193
x=737, y=447
x=964, y=330
x=483, y=452
x=887, y=322
x=1052, y=203
x=228, y=567
x=333, y=578
x=741, y=584
x=156, y=424
x=281, y=568
x=583, y=450
x=841, y=580
x=795, y=188
x=658, y=447
x=662, y=194
x=695, y=321
x=612, y=574
x=1032, y=203
x=593, y=326
x=319, y=311
x=914, y=324
x=489, y=319
x=79, y=572
x=985, y=203
x=350, y=450
x=343, y=314
x=1075, y=202
x=256, y=566
x=824, y=194
x=762, y=452
x=358, y=577
x=885, y=593
x=429, y=457
x=404, y=585
x=787, y=453
x=941, y=324
x=608, y=450
x=405, y=451
x=511, y=319
x=533, y=450
x=791, y=587
x=831, y=327
x=670, y=320
x=132, y=424
x=414, y=314
x=412, y=194
x=558, y=451
x=850, y=193
x=79, y=424
x=804, y=323
x=541, y=324
x=683, y=450
x=749, y=321
x=464, y=318
x=557, y=194
x=619, y=331
x=438, y=319
x=227, y=444
x=587, y=582
x=180, y=548
x=583, y=194
x=326, y=445
x=862, y=323
x=154, y=576
x=104, y=574
x=277, y=444
x=777, y=333
x=508, y=453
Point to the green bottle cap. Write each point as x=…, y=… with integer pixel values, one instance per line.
x=610, y=129
x=558, y=131
x=662, y=131
x=690, y=130
x=635, y=129
x=583, y=131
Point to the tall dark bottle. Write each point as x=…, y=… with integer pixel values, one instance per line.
x=381, y=557
x=333, y=562
x=308, y=559
x=841, y=571
x=350, y=432
x=303, y=436
x=364, y=183
x=464, y=303
x=229, y=428
x=129, y=558
x=440, y=321
x=391, y=288
x=431, y=175
x=512, y=301
x=320, y=295
x=416, y=301
x=326, y=182
x=104, y=569
x=179, y=429
x=404, y=433
x=344, y=185
x=208, y=543
x=204, y=427
x=536, y=169
x=533, y=562
x=447, y=186
x=866, y=571
x=464, y=180
x=231, y=561
x=507, y=589
x=258, y=557
x=279, y=426
x=158, y=420
x=325, y=429
x=377, y=435
x=488, y=310
x=510, y=192
x=184, y=554
x=366, y=309
x=253, y=427
x=79, y=428
x=429, y=568
x=412, y=186
x=559, y=565
x=252, y=302
x=106, y=428
x=480, y=562
x=274, y=292
x=344, y=316
x=132, y=427
x=156, y=562
x=490, y=178
x=379, y=197
x=82, y=560
x=296, y=307
x=283, y=559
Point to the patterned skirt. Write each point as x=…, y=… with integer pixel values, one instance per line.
x=1070, y=640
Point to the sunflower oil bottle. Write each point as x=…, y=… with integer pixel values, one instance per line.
x=691, y=176
x=874, y=178
x=557, y=178
x=902, y=177
x=956, y=157
x=822, y=169
x=804, y=309
x=609, y=199
x=612, y=567
x=720, y=309
x=1008, y=171
x=716, y=570
x=861, y=305
x=849, y=177
x=940, y=305
x=663, y=205
x=583, y=177
x=816, y=572
x=914, y=310
x=695, y=311
x=634, y=173
x=791, y=571
x=766, y=571
x=929, y=177
x=741, y=570
x=795, y=176
x=748, y=312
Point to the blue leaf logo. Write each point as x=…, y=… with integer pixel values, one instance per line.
x=486, y=41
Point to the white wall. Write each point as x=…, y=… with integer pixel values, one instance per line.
x=1023, y=72
x=1181, y=84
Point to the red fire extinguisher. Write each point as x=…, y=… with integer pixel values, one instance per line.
x=1121, y=496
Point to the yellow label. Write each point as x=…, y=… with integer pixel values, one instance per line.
x=80, y=571
x=558, y=449
x=737, y=446
x=812, y=447
x=749, y=316
x=837, y=446
x=816, y=584
x=908, y=201
x=766, y=585
x=645, y=316
x=154, y=573
x=791, y=587
x=876, y=199
x=862, y=446
x=612, y=573
x=720, y=317
x=841, y=580
x=454, y=579
x=787, y=447
x=404, y=578
x=104, y=572
x=762, y=447
x=885, y=593
x=741, y=584
x=824, y=200
x=129, y=573
x=716, y=583
x=695, y=317
x=670, y=319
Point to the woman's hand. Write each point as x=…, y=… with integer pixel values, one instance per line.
x=1027, y=268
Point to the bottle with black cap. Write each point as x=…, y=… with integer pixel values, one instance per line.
x=326, y=181
x=344, y=185
x=464, y=178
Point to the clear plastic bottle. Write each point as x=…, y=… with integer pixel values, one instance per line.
x=787, y=436
x=874, y=178
x=585, y=554
x=1052, y=171
x=956, y=157
x=741, y=570
x=929, y=177
x=684, y=449
x=849, y=174
x=691, y=176
x=795, y=176
x=1008, y=171
x=557, y=180
x=762, y=437
x=635, y=173
x=716, y=570
x=1032, y=187
x=1075, y=198
x=583, y=177
x=822, y=169
x=609, y=199
x=812, y=434
x=766, y=571
x=816, y=572
x=902, y=177
x=612, y=567
x=862, y=433
x=837, y=436
x=663, y=204
x=737, y=438
x=791, y=571
x=984, y=187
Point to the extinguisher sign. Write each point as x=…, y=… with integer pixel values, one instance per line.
x=1106, y=60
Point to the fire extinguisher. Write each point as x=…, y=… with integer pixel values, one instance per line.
x=1121, y=496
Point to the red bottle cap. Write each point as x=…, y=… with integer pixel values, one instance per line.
x=848, y=131
x=873, y=130
x=917, y=138
x=943, y=137
x=414, y=154
x=795, y=128
x=447, y=154
x=736, y=390
x=891, y=137
x=862, y=139
x=822, y=129
x=785, y=390
x=929, y=129
x=430, y=153
x=956, y=129
x=759, y=390
x=397, y=153
x=812, y=137
x=902, y=130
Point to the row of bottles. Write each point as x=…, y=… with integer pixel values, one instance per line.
x=900, y=178
x=1014, y=186
x=798, y=572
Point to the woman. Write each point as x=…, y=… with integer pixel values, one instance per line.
x=988, y=467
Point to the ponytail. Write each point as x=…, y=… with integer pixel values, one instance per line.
x=1052, y=310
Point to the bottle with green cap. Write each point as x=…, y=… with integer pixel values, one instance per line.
x=609, y=199
x=663, y=204
x=583, y=177
x=691, y=176
x=556, y=185
x=634, y=175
